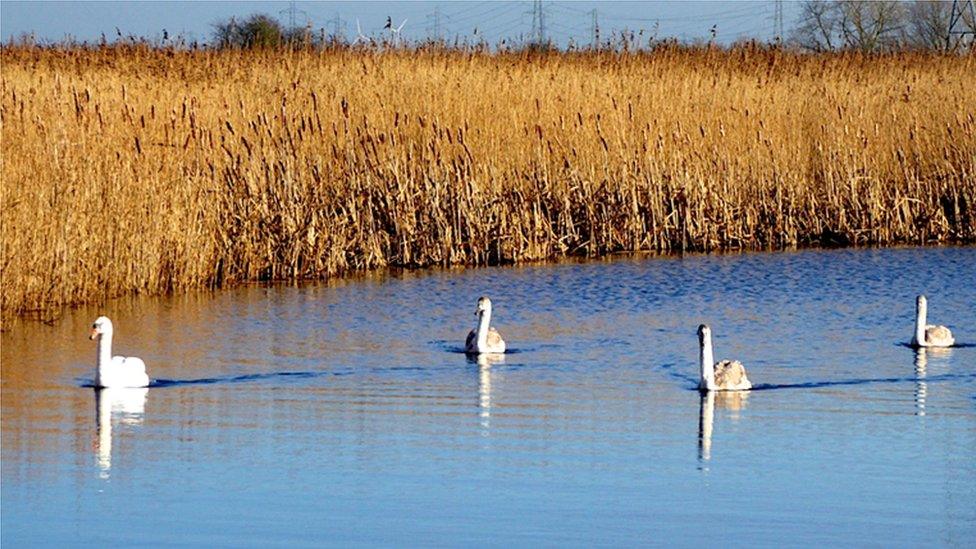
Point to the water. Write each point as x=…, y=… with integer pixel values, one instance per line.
x=344, y=414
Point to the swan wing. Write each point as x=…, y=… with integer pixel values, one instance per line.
x=126, y=371
x=132, y=363
x=938, y=336
x=495, y=342
x=730, y=375
x=495, y=339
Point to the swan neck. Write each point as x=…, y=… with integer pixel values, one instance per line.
x=104, y=355
x=920, y=314
x=706, y=364
x=484, y=318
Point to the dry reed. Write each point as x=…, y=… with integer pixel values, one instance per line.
x=131, y=170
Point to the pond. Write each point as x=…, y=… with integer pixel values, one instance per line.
x=346, y=413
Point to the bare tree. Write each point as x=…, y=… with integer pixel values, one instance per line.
x=883, y=25
x=816, y=27
x=865, y=25
x=869, y=25
x=928, y=24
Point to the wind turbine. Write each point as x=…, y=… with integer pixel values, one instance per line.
x=359, y=34
x=394, y=31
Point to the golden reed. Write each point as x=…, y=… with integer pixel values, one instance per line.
x=133, y=170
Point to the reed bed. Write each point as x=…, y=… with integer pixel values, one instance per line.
x=137, y=170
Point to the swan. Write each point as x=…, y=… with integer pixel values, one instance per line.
x=929, y=335
x=484, y=339
x=115, y=371
x=728, y=375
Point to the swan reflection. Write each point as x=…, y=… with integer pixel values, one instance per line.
x=922, y=355
x=729, y=400
x=119, y=406
x=484, y=361
x=921, y=388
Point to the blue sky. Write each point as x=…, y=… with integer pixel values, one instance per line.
x=87, y=20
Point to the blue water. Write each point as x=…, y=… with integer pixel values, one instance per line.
x=344, y=413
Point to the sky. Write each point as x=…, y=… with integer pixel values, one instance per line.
x=494, y=20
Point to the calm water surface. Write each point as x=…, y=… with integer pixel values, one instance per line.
x=344, y=413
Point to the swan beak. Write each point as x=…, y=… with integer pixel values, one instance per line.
x=93, y=335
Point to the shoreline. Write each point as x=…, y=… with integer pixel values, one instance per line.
x=381, y=275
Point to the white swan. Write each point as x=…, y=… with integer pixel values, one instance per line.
x=927, y=335
x=484, y=339
x=115, y=371
x=728, y=375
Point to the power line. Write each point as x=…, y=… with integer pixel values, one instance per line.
x=493, y=9
x=338, y=27
x=505, y=30
x=742, y=30
x=490, y=22
x=539, y=22
x=957, y=15
x=595, y=28
x=292, y=11
x=746, y=9
x=438, y=23
x=561, y=6
x=778, y=20
x=434, y=21
x=557, y=21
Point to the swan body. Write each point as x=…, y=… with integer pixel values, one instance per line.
x=727, y=375
x=484, y=338
x=928, y=335
x=115, y=371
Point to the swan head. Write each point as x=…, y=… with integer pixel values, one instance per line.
x=484, y=306
x=920, y=302
x=101, y=326
x=704, y=332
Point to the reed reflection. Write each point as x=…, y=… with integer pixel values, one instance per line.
x=733, y=401
x=119, y=406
